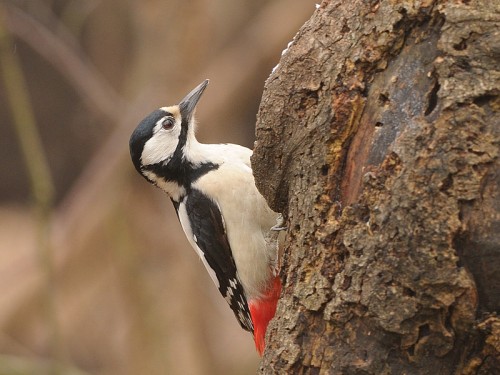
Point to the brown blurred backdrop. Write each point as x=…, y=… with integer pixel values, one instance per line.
x=96, y=276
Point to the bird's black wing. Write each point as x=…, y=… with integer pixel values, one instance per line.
x=209, y=236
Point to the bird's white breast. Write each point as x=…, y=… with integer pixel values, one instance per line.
x=246, y=214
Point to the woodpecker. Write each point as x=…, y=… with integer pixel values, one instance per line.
x=225, y=218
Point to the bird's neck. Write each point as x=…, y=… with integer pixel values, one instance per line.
x=176, y=176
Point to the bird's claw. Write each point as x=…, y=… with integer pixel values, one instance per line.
x=280, y=224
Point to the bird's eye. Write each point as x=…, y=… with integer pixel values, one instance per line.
x=168, y=123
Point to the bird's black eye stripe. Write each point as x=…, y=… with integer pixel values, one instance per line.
x=168, y=123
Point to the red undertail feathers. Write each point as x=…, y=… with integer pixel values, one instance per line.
x=262, y=311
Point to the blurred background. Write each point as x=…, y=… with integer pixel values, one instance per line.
x=96, y=276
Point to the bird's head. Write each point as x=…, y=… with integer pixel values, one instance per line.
x=162, y=135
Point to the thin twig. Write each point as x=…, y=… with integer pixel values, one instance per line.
x=38, y=171
x=64, y=54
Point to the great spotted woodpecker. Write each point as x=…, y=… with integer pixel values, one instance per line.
x=225, y=218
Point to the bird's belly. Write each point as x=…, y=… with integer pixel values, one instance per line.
x=248, y=220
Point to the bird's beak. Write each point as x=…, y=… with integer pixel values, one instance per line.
x=188, y=104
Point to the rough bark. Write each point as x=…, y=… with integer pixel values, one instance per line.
x=377, y=138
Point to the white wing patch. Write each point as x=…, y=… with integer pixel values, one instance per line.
x=221, y=216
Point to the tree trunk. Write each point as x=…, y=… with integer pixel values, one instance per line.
x=377, y=138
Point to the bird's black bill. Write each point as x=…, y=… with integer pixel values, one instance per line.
x=188, y=104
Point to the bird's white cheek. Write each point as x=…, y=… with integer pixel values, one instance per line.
x=159, y=147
